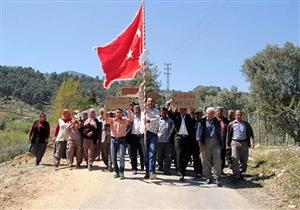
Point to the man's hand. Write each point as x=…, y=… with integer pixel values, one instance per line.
x=90, y=134
x=253, y=144
x=201, y=144
x=168, y=103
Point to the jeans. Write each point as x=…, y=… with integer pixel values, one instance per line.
x=151, y=143
x=115, y=146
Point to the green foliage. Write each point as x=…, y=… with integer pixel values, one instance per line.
x=69, y=96
x=274, y=75
x=228, y=99
x=38, y=89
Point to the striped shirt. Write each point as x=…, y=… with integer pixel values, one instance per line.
x=165, y=129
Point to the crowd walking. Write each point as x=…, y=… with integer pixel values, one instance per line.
x=157, y=138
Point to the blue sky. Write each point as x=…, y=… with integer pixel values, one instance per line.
x=206, y=41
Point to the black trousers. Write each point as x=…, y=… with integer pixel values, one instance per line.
x=164, y=155
x=196, y=158
x=38, y=150
x=135, y=147
x=183, y=153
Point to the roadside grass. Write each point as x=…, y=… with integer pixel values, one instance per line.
x=278, y=170
x=15, y=121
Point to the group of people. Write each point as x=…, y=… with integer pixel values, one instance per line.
x=155, y=135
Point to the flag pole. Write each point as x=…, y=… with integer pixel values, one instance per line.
x=144, y=48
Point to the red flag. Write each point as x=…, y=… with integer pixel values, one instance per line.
x=120, y=58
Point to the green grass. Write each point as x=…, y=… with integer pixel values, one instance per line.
x=13, y=134
x=281, y=166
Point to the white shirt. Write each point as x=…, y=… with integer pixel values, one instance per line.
x=153, y=116
x=182, y=129
x=138, y=127
x=63, y=133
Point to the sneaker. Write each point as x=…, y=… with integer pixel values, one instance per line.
x=134, y=172
x=116, y=175
x=218, y=182
x=152, y=176
x=122, y=175
x=146, y=176
x=181, y=179
x=208, y=181
x=89, y=167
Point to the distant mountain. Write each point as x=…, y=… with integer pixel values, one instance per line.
x=36, y=88
x=75, y=73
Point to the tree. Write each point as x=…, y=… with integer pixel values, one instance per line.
x=69, y=96
x=274, y=75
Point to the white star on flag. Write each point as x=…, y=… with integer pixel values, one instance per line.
x=129, y=54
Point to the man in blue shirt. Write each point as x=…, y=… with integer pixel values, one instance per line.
x=210, y=141
x=239, y=138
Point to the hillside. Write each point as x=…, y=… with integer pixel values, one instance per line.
x=36, y=88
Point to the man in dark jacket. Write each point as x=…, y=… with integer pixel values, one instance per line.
x=184, y=135
x=210, y=141
x=239, y=138
x=223, y=125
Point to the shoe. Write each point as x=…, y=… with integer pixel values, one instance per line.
x=160, y=169
x=218, y=183
x=77, y=166
x=116, y=175
x=198, y=175
x=89, y=167
x=208, y=181
x=122, y=175
x=241, y=177
x=152, y=176
x=181, y=179
x=134, y=172
x=146, y=176
x=167, y=173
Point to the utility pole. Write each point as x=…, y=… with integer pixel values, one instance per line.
x=167, y=72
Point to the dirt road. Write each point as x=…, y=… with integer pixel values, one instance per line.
x=25, y=186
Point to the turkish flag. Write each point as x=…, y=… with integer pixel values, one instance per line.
x=120, y=58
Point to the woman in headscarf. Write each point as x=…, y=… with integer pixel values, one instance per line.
x=38, y=136
x=91, y=130
x=61, y=136
x=74, y=147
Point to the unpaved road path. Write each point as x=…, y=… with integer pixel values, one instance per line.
x=25, y=186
